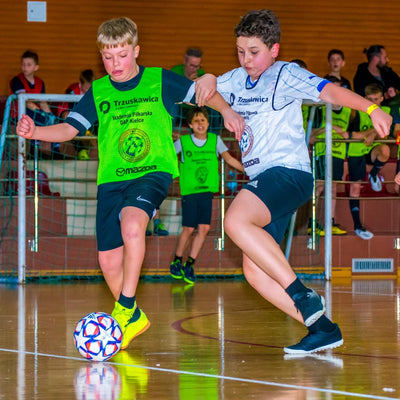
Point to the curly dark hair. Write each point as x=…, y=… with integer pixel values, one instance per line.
x=262, y=24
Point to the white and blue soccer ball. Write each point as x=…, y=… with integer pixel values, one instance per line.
x=98, y=336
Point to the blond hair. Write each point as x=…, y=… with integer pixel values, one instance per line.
x=116, y=32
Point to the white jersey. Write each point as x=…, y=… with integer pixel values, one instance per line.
x=274, y=134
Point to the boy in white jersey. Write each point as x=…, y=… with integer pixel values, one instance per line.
x=137, y=159
x=199, y=180
x=269, y=94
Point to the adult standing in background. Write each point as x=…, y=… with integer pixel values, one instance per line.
x=376, y=70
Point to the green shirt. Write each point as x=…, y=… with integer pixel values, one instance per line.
x=135, y=130
x=340, y=118
x=199, y=169
x=359, y=149
x=179, y=69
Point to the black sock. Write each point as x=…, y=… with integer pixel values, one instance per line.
x=355, y=212
x=190, y=261
x=127, y=302
x=322, y=324
x=376, y=167
x=178, y=258
x=295, y=287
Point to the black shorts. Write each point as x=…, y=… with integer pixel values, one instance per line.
x=337, y=168
x=283, y=191
x=146, y=193
x=358, y=166
x=197, y=209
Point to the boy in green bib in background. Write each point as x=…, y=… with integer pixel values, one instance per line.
x=367, y=152
x=199, y=180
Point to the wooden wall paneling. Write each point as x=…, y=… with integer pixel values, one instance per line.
x=66, y=43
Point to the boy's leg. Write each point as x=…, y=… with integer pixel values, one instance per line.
x=132, y=320
x=197, y=243
x=176, y=265
x=202, y=203
x=323, y=334
x=245, y=219
x=378, y=158
x=112, y=268
x=357, y=168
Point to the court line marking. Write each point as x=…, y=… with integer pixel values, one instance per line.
x=213, y=376
x=178, y=326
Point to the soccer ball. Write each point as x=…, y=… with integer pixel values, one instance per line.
x=98, y=336
x=97, y=381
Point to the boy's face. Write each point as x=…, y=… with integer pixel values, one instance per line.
x=376, y=98
x=336, y=62
x=29, y=67
x=120, y=62
x=199, y=124
x=254, y=56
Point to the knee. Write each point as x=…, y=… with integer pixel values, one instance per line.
x=230, y=224
x=383, y=153
x=204, y=229
x=109, y=263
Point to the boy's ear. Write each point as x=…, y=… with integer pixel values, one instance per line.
x=36, y=67
x=136, y=51
x=275, y=50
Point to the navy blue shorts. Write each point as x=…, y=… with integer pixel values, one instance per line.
x=337, y=168
x=283, y=191
x=197, y=209
x=146, y=193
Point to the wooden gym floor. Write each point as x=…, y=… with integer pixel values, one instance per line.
x=214, y=340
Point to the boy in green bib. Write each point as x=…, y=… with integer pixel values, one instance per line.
x=137, y=160
x=368, y=152
x=199, y=180
x=340, y=126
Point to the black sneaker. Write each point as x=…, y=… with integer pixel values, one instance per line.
x=317, y=341
x=310, y=304
x=188, y=274
x=176, y=269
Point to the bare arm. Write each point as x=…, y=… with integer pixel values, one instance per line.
x=397, y=178
x=52, y=133
x=206, y=94
x=232, y=161
x=338, y=95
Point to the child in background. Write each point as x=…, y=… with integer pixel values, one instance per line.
x=199, y=179
x=336, y=63
x=137, y=160
x=28, y=82
x=367, y=152
x=86, y=78
x=340, y=124
x=269, y=94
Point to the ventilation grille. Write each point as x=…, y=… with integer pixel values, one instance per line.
x=372, y=265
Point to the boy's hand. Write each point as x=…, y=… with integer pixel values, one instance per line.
x=206, y=86
x=234, y=122
x=25, y=127
x=397, y=178
x=370, y=137
x=382, y=122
